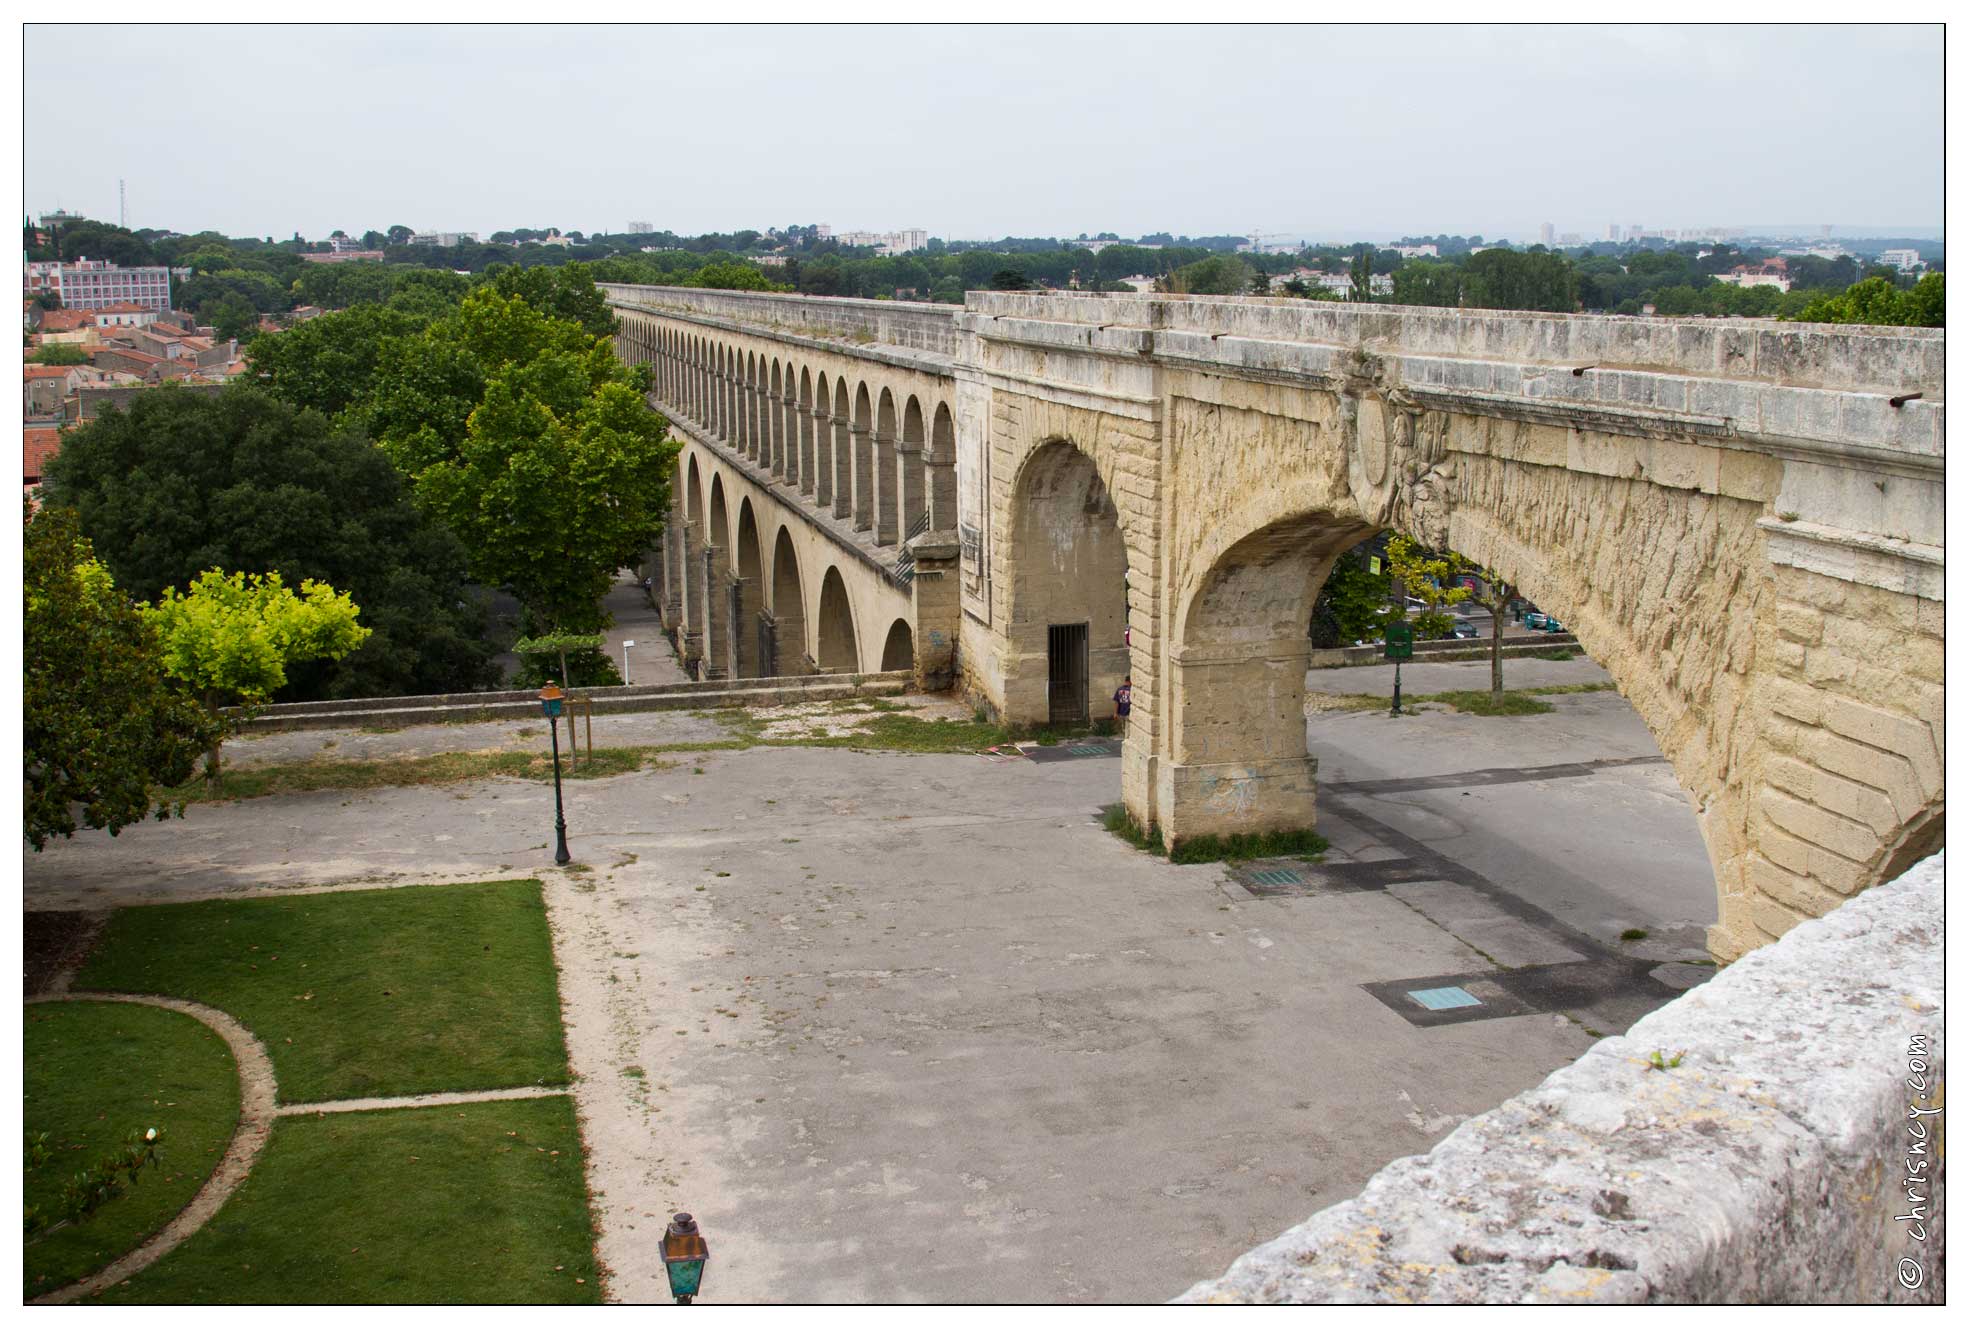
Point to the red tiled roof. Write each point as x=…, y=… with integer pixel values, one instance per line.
x=128, y=354
x=124, y=309
x=39, y=442
x=67, y=320
x=47, y=371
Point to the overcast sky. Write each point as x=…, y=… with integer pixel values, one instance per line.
x=977, y=132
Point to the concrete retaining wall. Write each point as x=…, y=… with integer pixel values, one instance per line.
x=1427, y=652
x=1774, y=1164
x=473, y=707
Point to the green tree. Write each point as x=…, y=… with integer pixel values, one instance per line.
x=1426, y=576
x=102, y=730
x=566, y=292
x=329, y=363
x=1878, y=302
x=1504, y=279
x=553, y=475
x=1423, y=283
x=59, y=353
x=1362, y=272
x=232, y=316
x=733, y=277
x=1350, y=604
x=1220, y=274
x=183, y=481
x=231, y=637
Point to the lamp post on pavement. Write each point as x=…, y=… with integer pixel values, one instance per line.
x=684, y=1254
x=550, y=706
x=625, y=661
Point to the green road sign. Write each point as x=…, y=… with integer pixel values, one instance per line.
x=1401, y=641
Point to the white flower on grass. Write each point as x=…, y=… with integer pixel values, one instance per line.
x=151, y=1134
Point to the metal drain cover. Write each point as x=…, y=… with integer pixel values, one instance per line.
x=1276, y=877
x=1442, y=999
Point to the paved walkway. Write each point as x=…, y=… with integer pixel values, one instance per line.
x=636, y=619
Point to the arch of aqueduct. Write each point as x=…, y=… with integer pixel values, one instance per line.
x=1741, y=520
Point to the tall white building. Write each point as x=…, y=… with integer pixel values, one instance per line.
x=1545, y=234
x=640, y=228
x=1907, y=260
x=98, y=283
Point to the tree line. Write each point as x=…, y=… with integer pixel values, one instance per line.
x=332, y=526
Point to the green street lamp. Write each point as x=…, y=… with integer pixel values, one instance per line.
x=684, y=1254
x=550, y=706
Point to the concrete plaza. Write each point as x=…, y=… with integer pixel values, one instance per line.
x=915, y=1028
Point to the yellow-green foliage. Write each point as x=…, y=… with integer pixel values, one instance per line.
x=1425, y=576
x=236, y=633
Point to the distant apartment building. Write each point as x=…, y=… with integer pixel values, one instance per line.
x=444, y=239
x=771, y=260
x=1336, y=283
x=886, y=243
x=345, y=256
x=1771, y=272
x=125, y=316
x=96, y=283
x=1907, y=260
x=1418, y=251
x=640, y=228
x=1545, y=234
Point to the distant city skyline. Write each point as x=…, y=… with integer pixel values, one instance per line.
x=970, y=135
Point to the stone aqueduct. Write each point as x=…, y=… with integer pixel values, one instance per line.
x=1741, y=520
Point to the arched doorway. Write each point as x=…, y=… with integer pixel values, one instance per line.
x=789, y=623
x=839, y=651
x=1069, y=603
x=748, y=627
x=720, y=592
x=899, y=651
x=691, y=540
x=1237, y=739
x=942, y=467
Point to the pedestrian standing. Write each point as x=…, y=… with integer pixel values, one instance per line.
x=1124, y=697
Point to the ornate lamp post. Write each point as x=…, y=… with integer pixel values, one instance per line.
x=684, y=1254
x=550, y=706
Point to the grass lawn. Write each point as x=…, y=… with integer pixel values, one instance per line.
x=484, y=1202
x=359, y=993
x=92, y=1073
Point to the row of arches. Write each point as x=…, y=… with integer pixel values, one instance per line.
x=881, y=459
x=743, y=606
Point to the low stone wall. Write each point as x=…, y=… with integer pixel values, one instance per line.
x=1431, y=652
x=1773, y=1164
x=921, y=327
x=1798, y=355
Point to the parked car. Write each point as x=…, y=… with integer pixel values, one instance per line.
x=1466, y=631
x=1537, y=621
